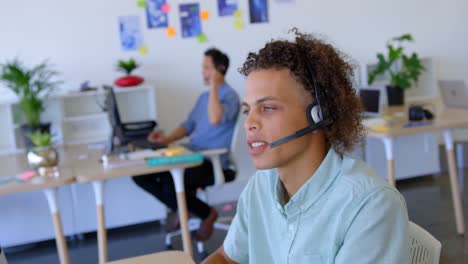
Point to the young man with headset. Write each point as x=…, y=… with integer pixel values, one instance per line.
x=309, y=202
x=210, y=125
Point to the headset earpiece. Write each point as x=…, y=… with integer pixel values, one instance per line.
x=314, y=114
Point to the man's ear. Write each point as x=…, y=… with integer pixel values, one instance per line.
x=221, y=69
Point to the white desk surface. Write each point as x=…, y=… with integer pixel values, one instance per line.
x=445, y=118
x=87, y=167
x=16, y=164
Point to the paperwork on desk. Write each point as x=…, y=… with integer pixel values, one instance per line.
x=378, y=124
x=152, y=157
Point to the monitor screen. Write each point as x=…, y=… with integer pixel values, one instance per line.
x=370, y=99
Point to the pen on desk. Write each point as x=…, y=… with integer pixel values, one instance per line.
x=417, y=124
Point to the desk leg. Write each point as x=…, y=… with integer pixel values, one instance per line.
x=388, y=144
x=98, y=187
x=178, y=177
x=62, y=249
x=459, y=217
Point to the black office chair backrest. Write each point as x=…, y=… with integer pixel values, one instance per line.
x=113, y=112
x=112, y=108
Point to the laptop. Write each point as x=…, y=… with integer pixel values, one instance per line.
x=454, y=93
x=371, y=100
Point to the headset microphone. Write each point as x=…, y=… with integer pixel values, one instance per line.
x=297, y=134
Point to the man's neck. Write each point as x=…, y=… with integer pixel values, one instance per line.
x=298, y=171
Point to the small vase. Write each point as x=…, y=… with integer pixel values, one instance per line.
x=43, y=158
x=129, y=81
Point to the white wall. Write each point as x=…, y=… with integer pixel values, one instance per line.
x=81, y=38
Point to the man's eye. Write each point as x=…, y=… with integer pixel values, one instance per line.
x=245, y=111
x=268, y=108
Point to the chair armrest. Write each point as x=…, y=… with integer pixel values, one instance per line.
x=214, y=156
x=142, y=125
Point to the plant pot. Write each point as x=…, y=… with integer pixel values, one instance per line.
x=129, y=81
x=27, y=129
x=42, y=157
x=395, y=95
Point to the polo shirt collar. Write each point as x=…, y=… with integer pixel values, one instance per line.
x=312, y=189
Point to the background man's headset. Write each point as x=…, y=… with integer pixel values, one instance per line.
x=315, y=115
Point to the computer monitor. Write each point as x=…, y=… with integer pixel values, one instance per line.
x=134, y=132
x=371, y=101
x=454, y=93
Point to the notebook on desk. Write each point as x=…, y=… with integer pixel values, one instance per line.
x=165, y=156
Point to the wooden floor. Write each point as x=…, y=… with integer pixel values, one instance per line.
x=429, y=205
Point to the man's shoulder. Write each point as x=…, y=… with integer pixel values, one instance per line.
x=262, y=181
x=359, y=180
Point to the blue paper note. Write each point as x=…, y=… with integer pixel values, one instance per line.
x=190, y=20
x=155, y=16
x=258, y=11
x=130, y=33
x=227, y=7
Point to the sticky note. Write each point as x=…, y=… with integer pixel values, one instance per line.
x=27, y=175
x=239, y=24
x=166, y=8
x=171, y=32
x=380, y=128
x=238, y=13
x=141, y=3
x=204, y=15
x=202, y=38
x=143, y=50
x=174, y=152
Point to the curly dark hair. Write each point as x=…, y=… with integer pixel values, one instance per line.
x=333, y=76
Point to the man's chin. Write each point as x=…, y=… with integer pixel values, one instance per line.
x=259, y=165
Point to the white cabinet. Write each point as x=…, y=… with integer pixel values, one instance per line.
x=77, y=117
x=26, y=218
x=415, y=155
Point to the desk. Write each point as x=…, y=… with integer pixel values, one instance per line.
x=168, y=257
x=445, y=120
x=16, y=164
x=87, y=168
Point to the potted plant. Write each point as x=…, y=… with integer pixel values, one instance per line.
x=402, y=69
x=128, y=80
x=43, y=155
x=32, y=86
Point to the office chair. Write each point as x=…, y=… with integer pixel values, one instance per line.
x=425, y=249
x=242, y=167
x=133, y=132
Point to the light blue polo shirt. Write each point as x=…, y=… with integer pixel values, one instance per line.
x=344, y=213
x=204, y=135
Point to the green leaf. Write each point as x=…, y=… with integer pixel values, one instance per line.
x=381, y=67
x=127, y=66
x=404, y=70
x=31, y=85
x=40, y=139
x=405, y=37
